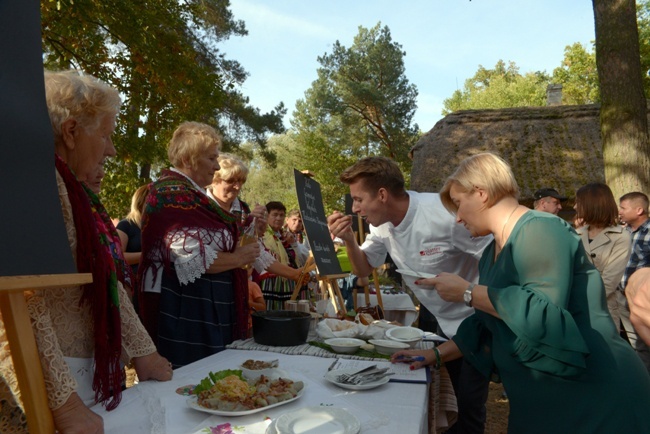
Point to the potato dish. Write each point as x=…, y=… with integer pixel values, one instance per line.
x=232, y=393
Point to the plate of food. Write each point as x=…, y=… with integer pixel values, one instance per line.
x=232, y=395
x=318, y=420
x=333, y=376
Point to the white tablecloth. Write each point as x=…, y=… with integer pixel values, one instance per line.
x=397, y=307
x=155, y=407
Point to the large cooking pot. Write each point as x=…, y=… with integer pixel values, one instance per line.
x=280, y=328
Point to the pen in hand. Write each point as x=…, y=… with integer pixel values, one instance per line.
x=410, y=359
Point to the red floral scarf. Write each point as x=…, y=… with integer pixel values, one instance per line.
x=99, y=253
x=174, y=205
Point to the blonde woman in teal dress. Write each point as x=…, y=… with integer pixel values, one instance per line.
x=541, y=322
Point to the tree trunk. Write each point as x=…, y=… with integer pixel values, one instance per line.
x=623, y=114
x=145, y=172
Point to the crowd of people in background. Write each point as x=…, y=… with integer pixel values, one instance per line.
x=559, y=311
x=616, y=239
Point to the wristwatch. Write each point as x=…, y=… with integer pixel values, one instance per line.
x=467, y=296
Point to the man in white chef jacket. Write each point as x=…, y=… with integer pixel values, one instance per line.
x=422, y=238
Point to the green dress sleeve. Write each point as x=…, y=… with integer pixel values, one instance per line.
x=475, y=342
x=543, y=253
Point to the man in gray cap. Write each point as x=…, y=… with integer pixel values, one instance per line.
x=548, y=200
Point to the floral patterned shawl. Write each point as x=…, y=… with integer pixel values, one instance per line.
x=99, y=253
x=176, y=206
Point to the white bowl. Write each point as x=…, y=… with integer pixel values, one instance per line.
x=407, y=335
x=271, y=371
x=345, y=345
x=387, y=346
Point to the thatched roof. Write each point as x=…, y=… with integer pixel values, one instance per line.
x=556, y=146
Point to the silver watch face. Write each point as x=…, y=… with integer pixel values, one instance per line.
x=467, y=297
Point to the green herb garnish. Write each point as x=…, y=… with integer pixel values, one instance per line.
x=212, y=378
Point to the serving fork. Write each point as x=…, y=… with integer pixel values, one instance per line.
x=366, y=375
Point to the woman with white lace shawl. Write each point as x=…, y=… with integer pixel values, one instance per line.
x=194, y=292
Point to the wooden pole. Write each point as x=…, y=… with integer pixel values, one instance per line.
x=310, y=265
x=337, y=291
x=366, y=288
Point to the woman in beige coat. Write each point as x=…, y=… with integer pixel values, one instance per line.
x=606, y=242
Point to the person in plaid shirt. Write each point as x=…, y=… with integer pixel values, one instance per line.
x=633, y=212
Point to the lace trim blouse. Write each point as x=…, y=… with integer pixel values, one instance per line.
x=63, y=327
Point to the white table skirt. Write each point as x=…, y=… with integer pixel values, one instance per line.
x=397, y=307
x=155, y=407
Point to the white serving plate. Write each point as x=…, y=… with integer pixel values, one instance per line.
x=415, y=275
x=192, y=402
x=332, y=375
x=317, y=420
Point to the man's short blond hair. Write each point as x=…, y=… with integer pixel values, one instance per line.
x=486, y=171
x=190, y=141
x=231, y=168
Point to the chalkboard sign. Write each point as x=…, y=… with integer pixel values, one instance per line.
x=310, y=201
x=33, y=233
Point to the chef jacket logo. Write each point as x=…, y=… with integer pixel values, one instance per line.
x=431, y=251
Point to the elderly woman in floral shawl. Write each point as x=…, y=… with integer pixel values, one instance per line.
x=83, y=333
x=194, y=292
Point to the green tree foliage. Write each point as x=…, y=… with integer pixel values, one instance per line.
x=500, y=87
x=273, y=179
x=361, y=104
x=164, y=58
x=578, y=76
x=503, y=86
x=643, y=24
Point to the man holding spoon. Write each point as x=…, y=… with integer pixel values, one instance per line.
x=423, y=240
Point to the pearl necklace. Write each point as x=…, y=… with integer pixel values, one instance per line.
x=503, y=229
